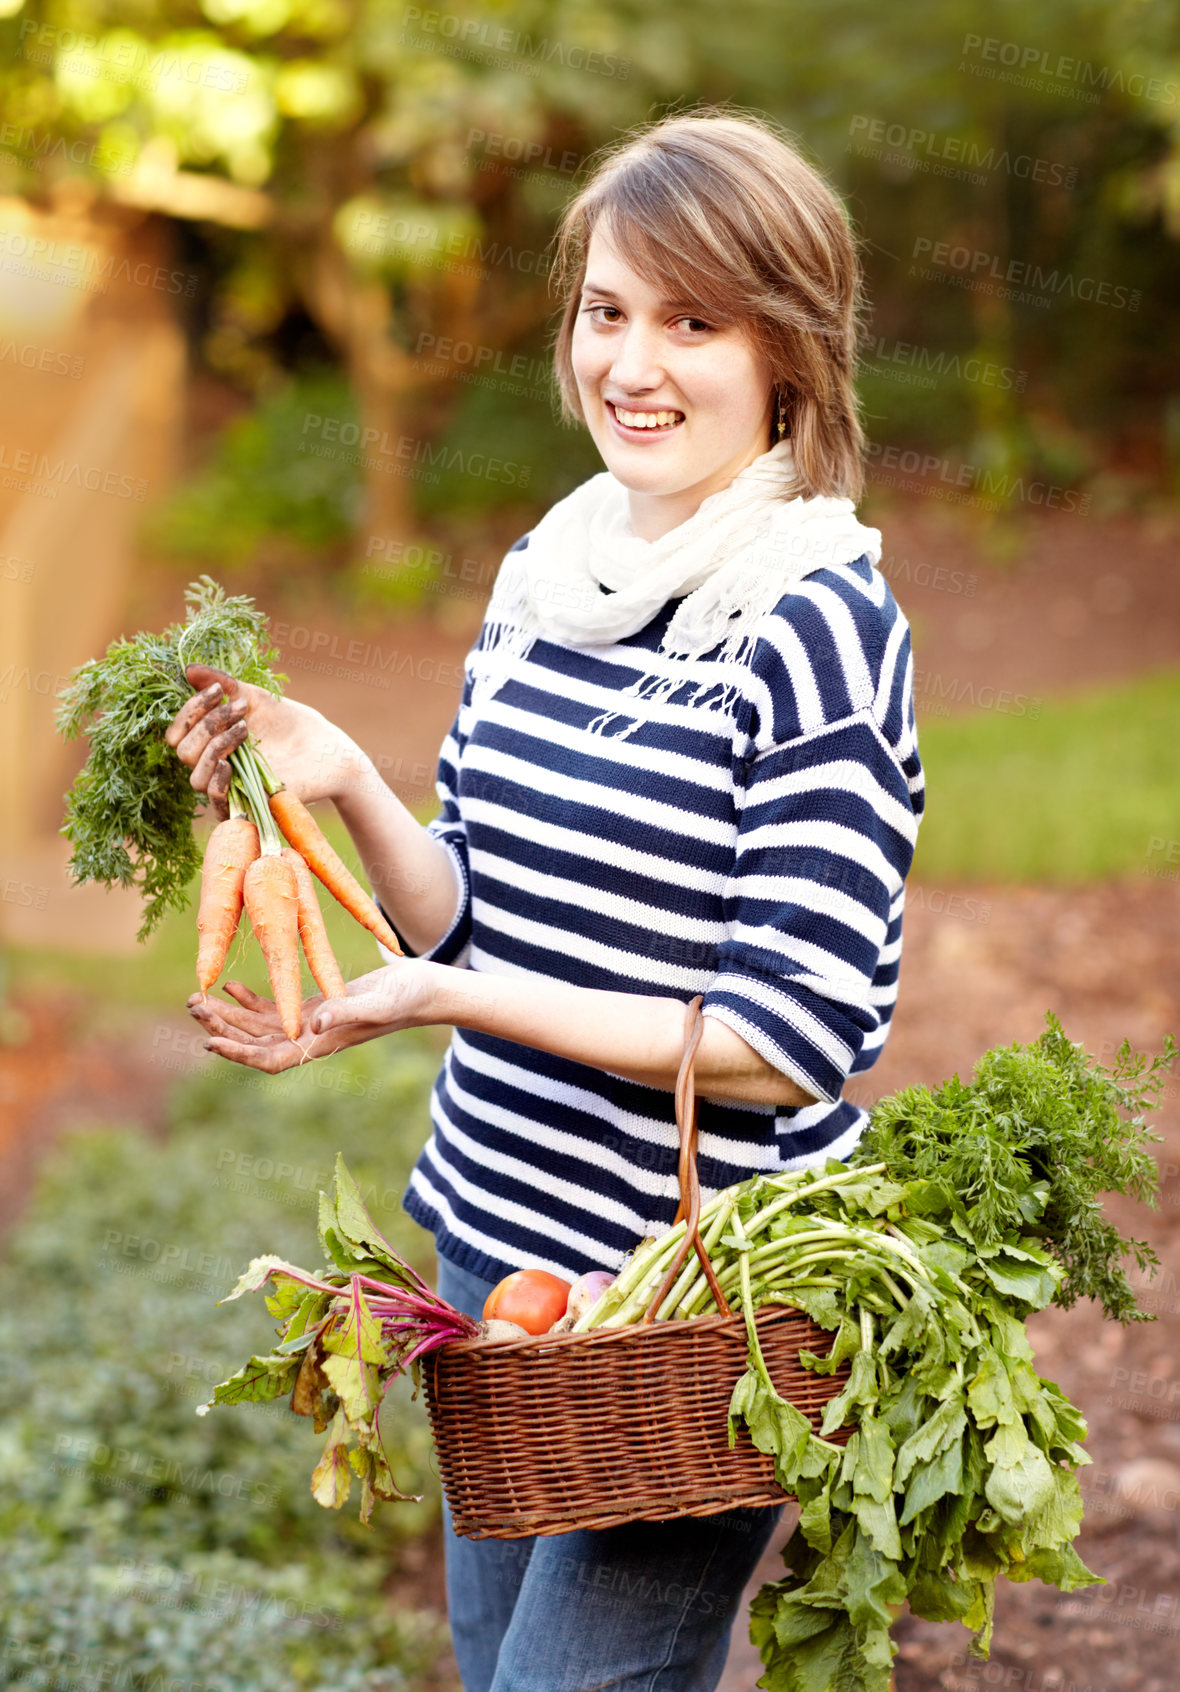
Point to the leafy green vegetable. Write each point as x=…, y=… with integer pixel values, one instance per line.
x=964, y=1210
x=130, y=811
x=1028, y=1147
x=346, y=1335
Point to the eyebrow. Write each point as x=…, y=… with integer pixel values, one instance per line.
x=589, y=287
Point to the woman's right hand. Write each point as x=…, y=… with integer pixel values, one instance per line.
x=310, y=755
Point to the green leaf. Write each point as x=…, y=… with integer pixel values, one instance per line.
x=355, y=1384
x=1033, y=1283
x=130, y=811
x=1028, y=1147
x=872, y=1584
x=1020, y=1484
x=934, y=1596
x=264, y=1269
x=943, y=1429
x=873, y=1477
x=815, y=1520
x=355, y=1331
x=357, y=1228
x=775, y=1426
x=990, y=1395
x=258, y=1381
x=932, y=1480
x=982, y=1617
x=878, y=1523
x=336, y=1247
x=331, y=1479
x=310, y=1311
x=861, y=1388
x=1060, y=1567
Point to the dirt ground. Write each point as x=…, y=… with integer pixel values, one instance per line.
x=1082, y=601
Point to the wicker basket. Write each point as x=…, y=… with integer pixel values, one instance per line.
x=565, y=1431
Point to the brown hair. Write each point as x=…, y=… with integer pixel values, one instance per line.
x=719, y=207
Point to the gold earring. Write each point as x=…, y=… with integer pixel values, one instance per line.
x=782, y=420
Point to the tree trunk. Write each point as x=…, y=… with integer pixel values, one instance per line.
x=358, y=315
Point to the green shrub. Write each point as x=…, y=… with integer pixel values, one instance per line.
x=262, y=481
x=153, y=1540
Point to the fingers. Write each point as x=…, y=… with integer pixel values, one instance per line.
x=201, y=675
x=210, y=762
x=272, y=1060
x=195, y=708
x=247, y=997
x=266, y=1009
x=217, y=1018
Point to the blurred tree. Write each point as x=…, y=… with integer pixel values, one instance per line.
x=393, y=172
x=347, y=139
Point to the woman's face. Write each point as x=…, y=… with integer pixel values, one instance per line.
x=675, y=404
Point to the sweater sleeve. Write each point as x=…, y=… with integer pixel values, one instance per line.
x=448, y=827
x=826, y=834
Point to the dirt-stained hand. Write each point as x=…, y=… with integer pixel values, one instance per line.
x=310, y=755
x=399, y=995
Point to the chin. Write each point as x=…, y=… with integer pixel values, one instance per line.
x=640, y=477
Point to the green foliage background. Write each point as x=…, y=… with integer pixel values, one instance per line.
x=145, y=1539
x=379, y=139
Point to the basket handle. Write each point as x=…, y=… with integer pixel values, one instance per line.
x=690, y=1186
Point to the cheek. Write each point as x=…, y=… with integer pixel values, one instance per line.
x=586, y=359
x=736, y=391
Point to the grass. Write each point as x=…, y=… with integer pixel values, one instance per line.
x=1087, y=790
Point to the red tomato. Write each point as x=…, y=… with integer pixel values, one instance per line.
x=531, y=1297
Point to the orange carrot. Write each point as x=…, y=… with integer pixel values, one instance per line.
x=231, y=848
x=272, y=904
x=316, y=945
x=304, y=833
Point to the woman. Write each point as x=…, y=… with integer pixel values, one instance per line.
x=684, y=762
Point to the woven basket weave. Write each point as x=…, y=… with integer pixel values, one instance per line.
x=541, y=1436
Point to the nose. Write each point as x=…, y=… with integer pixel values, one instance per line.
x=637, y=367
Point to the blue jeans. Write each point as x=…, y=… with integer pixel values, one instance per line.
x=647, y=1607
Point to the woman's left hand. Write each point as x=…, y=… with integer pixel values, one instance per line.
x=249, y=1032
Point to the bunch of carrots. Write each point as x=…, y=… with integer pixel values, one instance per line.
x=247, y=864
x=131, y=809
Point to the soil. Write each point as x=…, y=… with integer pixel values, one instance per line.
x=1079, y=601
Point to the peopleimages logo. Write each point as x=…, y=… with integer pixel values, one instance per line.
x=476, y=36
x=1029, y=66
x=982, y=266
x=927, y=363
x=928, y=473
x=423, y=456
x=927, y=146
x=116, y=58
x=72, y=259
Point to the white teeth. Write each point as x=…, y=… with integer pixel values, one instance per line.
x=647, y=419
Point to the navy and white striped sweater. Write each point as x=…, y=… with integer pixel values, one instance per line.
x=755, y=855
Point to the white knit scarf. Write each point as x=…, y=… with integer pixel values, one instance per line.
x=728, y=564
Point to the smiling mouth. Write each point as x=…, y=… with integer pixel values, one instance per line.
x=655, y=422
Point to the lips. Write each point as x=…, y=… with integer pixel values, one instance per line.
x=651, y=420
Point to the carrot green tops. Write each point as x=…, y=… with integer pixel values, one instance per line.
x=755, y=853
